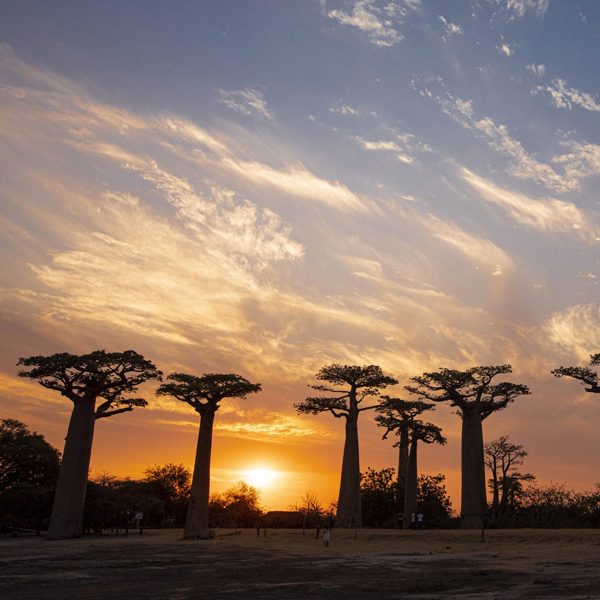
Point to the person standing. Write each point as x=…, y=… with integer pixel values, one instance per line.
x=326, y=537
x=420, y=520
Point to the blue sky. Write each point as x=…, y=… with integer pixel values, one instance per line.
x=265, y=187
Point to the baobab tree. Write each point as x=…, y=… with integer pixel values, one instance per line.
x=429, y=434
x=476, y=398
x=396, y=415
x=347, y=387
x=85, y=380
x=204, y=395
x=503, y=459
x=587, y=376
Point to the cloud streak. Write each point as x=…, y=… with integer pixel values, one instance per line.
x=519, y=8
x=568, y=97
x=248, y=101
x=576, y=330
x=450, y=28
x=544, y=215
x=381, y=23
x=478, y=250
x=579, y=163
x=298, y=181
x=386, y=146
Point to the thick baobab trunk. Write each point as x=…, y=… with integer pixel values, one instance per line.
x=67, y=510
x=410, y=490
x=473, y=499
x=348, y=509
x=196, y=522
x=402, y=464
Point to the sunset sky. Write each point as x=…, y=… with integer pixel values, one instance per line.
x=265, y=187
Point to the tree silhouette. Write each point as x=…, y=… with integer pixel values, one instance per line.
x=433, y=499
x=378, y=489
x=313, y=513
x=429, y=434
x=204, y=395
x=350, y=386
x=395, y=415
x=171, y=484
x=25, y=456
x=377, y=496
x=476, y=398
x=502, y=459
x=587, y=376
x=84, y=379
x=242, y=502
x=28, y=472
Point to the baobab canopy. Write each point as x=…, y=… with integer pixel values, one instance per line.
x=99, y=374
x=204, y=394
x=586, y=375
x=476, y=396
x=85, y=379
x=471, y=389
x=346, y=388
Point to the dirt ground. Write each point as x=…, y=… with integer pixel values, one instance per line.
x=380, y=564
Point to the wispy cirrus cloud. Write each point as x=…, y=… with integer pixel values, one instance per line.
x=146, y=287
x=575, y=330
x=20, y=388
x=404, y=146
x=274, y=427
x=537, y=70
x=567, y=97
x=519, y=8
x=380, y=22
x=523, y=165
x=547, y=215
x=236, y=226
x=477, y=249
x=68, y=106
x=298, y=181
x=581, y=159
x=247, y=102
x=347, y=110
x=258, y=425
x=386, y=146
x=450, y=28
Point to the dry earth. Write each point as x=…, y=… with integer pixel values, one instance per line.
x=380, y=564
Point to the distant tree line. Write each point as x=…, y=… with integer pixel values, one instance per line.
x=101, y=384
x=382, y=506
x=29, y=471
x=161, y=499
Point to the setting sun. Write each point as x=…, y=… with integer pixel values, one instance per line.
x=260, y=477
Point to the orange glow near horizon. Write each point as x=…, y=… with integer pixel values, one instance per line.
x=261, y=477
